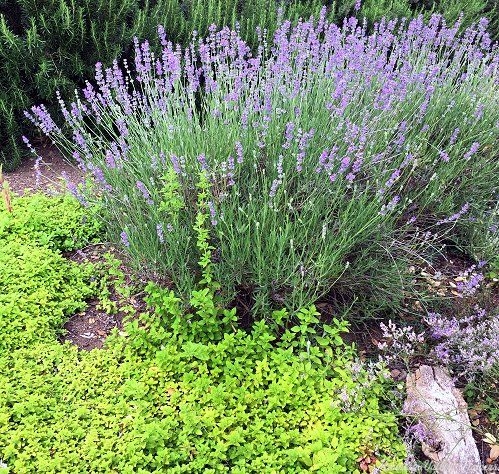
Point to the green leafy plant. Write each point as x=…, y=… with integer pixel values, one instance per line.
x=231, y=402
x=176, y=391
x=110, y=279
x=39, y=290
x=59, y=223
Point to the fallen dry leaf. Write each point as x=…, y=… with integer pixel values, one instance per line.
x=473, y=413
x=367, y=463
x=494, y=452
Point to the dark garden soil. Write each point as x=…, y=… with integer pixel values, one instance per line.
x=89, y=329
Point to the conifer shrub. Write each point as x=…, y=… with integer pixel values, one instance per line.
x=46, y=47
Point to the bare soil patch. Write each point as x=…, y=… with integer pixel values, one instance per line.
x=89, y=329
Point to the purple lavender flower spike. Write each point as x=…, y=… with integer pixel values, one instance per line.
x=72, y=188
x=145, y=193
x=441, y=327
x=444, y=156
x=124, y=239
x=213, y=213
x=239, y=152
x=273, y=188
x=473, y=149
x=453, y=137
x=160, y=234
x=100, y=178
x=423, y=434
x=42, y=119
x=122, y=128
x=81, y=164
x=470, y=287
x=393, y=179
x=322, y=161
x=203, y=162
x=110, y=161
x=230, y=171
x=80, y=140
x=175, y=163
x=455, y=216
x=38, y=161
x=479, y=111
x=288, y=134
x=387, y=208
x=299, y=161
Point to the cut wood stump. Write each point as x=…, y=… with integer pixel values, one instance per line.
x=443, y=425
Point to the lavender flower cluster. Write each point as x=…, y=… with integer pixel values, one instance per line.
x=325, y=127
x=258, y=91
x=471, y=280
x=399, y=344
x=470, y=345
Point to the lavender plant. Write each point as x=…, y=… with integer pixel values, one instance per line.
x=333, y=156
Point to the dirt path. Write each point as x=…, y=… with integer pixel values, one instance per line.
x=52, y=167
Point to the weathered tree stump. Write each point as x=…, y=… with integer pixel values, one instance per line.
x=444, y=427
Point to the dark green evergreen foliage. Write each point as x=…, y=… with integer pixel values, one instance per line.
x=471, y=11
x=13, y=97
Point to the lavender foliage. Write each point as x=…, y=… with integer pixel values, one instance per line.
x=319, y=147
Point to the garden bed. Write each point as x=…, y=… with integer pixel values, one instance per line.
x=242, y=210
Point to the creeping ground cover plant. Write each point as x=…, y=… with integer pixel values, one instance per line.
x=173, y=391
x=330, y=157
x=151, y=403
x=39, y=289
